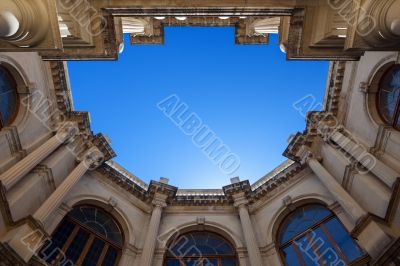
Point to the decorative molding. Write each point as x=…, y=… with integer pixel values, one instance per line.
x=335, y=86
x=349, y=172
x=8, y=257
x=384, y=132
x=47, y=175
x=244, y=28
x=14, y=142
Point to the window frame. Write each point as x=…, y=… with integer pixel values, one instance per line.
x=320, y=224
x=12, y=80
x=219, y=257
x=93, y=235
x=396, y=117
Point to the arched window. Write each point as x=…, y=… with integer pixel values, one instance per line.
x=312, y=235
x=8, y=97
x=388, y=99
x=201, y=249
x=87, y=236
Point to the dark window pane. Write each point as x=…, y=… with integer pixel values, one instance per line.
x=389, y=94
x=290, y=256
x=305, y=248
x=172, y=262
x=302, y=219
x=346, y=244
x=228, y=262
x=192, y=262
x=225, y=248
x=210, y=262
x=200, y=243
x=94, y=253
x=99, y=221
x=111, y=257
x=201, y=249
x=53, y=247
x=8, y=97
x=76, y=247
x=325, y=250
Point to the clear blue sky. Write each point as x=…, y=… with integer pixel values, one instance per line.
x=244, y=93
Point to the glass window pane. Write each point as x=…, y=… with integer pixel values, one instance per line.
x=8, y=97
x=210, y=262
x=111, y=257
x=200, y=244
x=290, y=256
x=389, y=94
x=173, y=262
x=302, y=219
x=228, y=262
x=306, y=251
x=99, y=221
x=53, y=247
x=346, y=244
x=325, y=249
x=94, y=253
x=192, y=262
x=76, y=247
x=202, y=249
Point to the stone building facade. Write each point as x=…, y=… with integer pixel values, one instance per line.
x=335, y=201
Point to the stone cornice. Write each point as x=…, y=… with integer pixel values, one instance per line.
x=273, y=183
x=199, y=197
x=317, y=124
x=334, y=87
x=61, y=86
x=239, y=191
x=157, y=188
x=242, y=34
x=124, y=182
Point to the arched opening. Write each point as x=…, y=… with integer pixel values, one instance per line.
x=313, y=235
x=87, y=236
x=388, y=100
x=8, y=97
x=200, y=248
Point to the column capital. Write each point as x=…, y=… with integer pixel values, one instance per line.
x=67, y=131
x=241, y=202
x=239, y=193
x=159, y=202
x=161, y=193
x=306, y=154
x=92, y=158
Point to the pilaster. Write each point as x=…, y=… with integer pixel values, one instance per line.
x=161, y=194
x=239, y=193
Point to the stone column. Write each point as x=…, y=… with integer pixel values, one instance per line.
x=370, y=162
x=20, y=23
x=152, y=231
x=93, y=157
x=251, y=242
x=20, y=169
x=352, y=208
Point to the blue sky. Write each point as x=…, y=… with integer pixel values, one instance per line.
x=244, y=93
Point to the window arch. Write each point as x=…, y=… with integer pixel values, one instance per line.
x=87, y=236
x=8, y=97
x=201, y=248
x=312, y=235
x=388, y=100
